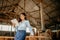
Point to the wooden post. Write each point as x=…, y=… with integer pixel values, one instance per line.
x=41, y=13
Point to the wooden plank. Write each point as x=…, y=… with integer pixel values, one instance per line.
x=27, y=37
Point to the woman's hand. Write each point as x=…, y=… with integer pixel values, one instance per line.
x=31, y=34
x=13, y=24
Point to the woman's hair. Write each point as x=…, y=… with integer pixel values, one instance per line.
x=24, y=15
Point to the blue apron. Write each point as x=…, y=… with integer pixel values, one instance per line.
x=20, y=35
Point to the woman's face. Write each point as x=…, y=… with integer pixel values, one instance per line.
x=22, y=17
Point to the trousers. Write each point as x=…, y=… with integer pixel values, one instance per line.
x=20, y=35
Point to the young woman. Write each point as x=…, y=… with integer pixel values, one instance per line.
x=21, y=27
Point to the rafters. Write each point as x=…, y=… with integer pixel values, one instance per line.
x=9, y=10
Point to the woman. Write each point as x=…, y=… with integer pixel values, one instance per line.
x=21, y=27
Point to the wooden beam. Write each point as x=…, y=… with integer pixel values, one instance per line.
x=4, y=20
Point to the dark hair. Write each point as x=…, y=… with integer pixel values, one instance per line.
x=24, y=15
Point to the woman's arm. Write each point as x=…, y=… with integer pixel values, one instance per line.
x=30, y=28
x=14, y=25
